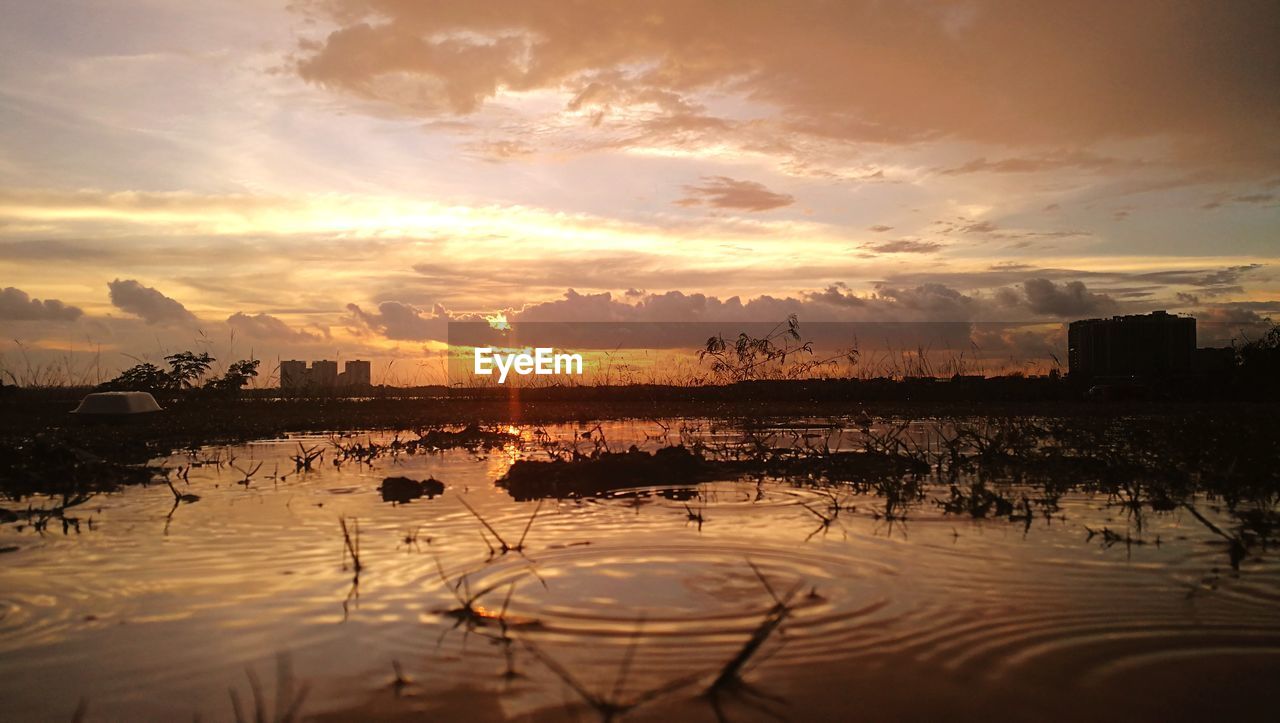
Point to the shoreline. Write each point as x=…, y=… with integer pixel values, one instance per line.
x=45, y=449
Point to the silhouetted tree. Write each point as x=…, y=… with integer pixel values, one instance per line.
x=188, y=367
x=1260, y=359
x=142, y=378
x=237, y=376
x=185, y=369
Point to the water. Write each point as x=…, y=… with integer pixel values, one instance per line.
x=152, y=611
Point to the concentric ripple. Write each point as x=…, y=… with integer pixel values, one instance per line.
x=693, y=592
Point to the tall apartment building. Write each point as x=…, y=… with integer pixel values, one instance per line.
x=358, y=373
x=293, y=374
x=1142, y=345
x=323, y=374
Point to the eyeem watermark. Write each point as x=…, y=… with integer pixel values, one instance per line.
x=542, y=362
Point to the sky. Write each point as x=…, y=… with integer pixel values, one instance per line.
x=341, y=178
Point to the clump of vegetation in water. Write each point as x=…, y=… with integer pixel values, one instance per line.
x=399, y=490
x=473, y=438
x=603, y=471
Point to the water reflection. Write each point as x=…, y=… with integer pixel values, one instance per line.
x=669, y=599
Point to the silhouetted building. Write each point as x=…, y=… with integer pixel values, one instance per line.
x=356, y=374
x=323, y=374
x=293, y=374
x=1141, y=345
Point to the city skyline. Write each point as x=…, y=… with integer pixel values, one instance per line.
x=323, y=373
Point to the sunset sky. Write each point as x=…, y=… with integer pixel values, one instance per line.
x=342, y=177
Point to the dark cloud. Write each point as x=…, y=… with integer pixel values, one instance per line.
x=268, y=328
x=1133, y=292
x=148, y=304
x=405, y=322
x=1266, y=308
x=836, y=295
x=931, y=316
x=574, y=306
x=16, y=305
x=1021, y=341
x=1233, y=315
x=929, y=302
x=934, y=301
x=1002, y=275
x=1208, y=282
x=1071, y=299
x=1229, y=324
x=725, y=192
x=880, y=228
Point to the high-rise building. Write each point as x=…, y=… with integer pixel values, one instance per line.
x=358, y=373
x=293, y=374
x=324, y=373
x=1140, y=345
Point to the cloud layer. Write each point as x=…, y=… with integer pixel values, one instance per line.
x=1064, y=74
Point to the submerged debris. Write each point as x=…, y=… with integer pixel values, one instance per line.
x=402, y=489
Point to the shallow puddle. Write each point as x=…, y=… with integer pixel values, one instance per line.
x=636, y=599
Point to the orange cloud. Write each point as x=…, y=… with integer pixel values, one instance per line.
x=725, y=192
